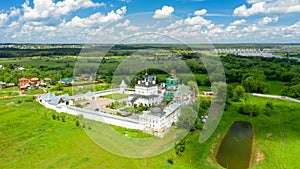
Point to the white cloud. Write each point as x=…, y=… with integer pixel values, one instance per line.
x=256, y=1
x=47, y=9
x=127, y=1
x=197, y=20
x=253, y=10
x=176, y=24
x=234, y=25
x=124, y=24
x=238, y=22
x=230, y=28
x=3, y=18
x=96, y=19
x=14, y=12
x=250, y=28
x=132, y=28
x=267, y=20
x=189, y=29
x=165, y=12
x=268, y=7
x=200, y=12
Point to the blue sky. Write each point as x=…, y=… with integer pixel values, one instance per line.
x=190, y=21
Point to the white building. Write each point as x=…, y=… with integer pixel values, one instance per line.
x=146, y=92
x=123, y=86
x=157, y=121
x=50, y=98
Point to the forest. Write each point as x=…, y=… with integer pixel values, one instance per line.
x=255, y=74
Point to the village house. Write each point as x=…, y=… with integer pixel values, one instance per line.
x=67, y=81
x=10, y=85
x=20, y=68
x=208, y=93
x=42, y=84
x=2, y=85
x=24, y=83
x=34, y=80
x=47, y=79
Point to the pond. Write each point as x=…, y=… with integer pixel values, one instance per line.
x=235, y=149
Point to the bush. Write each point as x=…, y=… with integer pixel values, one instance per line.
x=238, y=93
x=268, y=110
x=77, y=123
x=53, y=116
x=248, y=109
x=180, y=147
x=198, y=126
x=63, y=118
x=270, y=105
x=170, y=160
x=30, y=99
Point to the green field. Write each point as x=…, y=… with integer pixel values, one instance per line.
x=33, y=92
x=116, y=96
x=276, y=87
x=10, y=89
x=2, y=94
x=39, y=61
x=276, y=137
x=30, y=138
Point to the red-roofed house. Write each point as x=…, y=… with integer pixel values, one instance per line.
x=24, y=83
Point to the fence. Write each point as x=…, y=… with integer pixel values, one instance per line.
x=98, y=116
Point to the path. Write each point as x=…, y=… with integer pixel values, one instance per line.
x=275, y=97
x=22, y=95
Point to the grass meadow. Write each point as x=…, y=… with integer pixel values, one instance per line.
x=30, y=138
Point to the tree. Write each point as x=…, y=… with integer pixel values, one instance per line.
x=255, y=83
x=249, y=109
x=229, y=93
x=170, y=160
x=63, y=118
x=292, y=91
x=77, y=123
x=193, y=85
x=268, y=109
x=187, y=117
x=53, y=116
x=220, y=88
x=180, y=147
x=238, y=93
x=59, y=87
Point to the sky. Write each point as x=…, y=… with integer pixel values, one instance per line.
x=150, y=21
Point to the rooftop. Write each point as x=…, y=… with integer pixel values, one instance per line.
x=123, y=84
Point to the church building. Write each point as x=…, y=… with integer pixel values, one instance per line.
x=146, y=92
